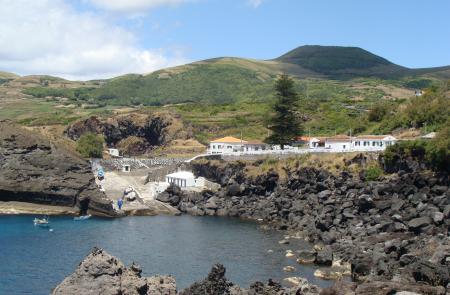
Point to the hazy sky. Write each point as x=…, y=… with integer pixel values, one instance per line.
x=83, y=39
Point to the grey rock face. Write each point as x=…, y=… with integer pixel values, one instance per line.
x=36, y=171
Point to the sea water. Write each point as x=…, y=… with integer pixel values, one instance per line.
x=33, y=260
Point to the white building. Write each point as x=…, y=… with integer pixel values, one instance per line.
x=372, y=142
x=181, y=178
x=343, y=143
x=113, y=152
x=232, y=145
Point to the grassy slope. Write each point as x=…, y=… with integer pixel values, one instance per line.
x=235, y=94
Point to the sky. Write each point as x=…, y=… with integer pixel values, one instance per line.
x=89, y=39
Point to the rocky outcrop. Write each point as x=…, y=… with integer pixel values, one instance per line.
x=102, y=273
x=133, y=133
x=34, y=170
x=387, y=229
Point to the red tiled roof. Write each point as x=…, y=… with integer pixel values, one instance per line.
x=229, y=139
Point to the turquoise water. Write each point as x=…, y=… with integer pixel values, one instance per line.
x=34, y=260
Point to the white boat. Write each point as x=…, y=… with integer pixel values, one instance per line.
x=83, y=217
x=41, y=221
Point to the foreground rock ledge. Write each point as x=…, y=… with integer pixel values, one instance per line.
x=102, y=273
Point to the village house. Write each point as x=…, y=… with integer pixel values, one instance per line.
x=344, y=143
x=230, y=145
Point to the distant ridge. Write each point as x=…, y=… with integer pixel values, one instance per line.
x=342, y=62
x=234, y=79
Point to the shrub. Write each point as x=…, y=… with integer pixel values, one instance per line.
x=373, y=173
x=435, y=153
x=90, y=145
x=378, y=112
x=438, y=151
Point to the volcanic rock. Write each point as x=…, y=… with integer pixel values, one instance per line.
x=34, y=170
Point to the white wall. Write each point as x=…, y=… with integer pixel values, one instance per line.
x=181, y=182
x=223, y=148
x=338, y=145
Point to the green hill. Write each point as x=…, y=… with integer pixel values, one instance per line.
x=230, y=80
x=336, y=61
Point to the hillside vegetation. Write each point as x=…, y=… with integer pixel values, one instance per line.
x=229, y=80
x=340, y=89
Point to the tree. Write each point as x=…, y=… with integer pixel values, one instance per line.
x=90, y=145
x=285, y=122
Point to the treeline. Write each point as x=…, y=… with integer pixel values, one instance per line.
x=82, y=93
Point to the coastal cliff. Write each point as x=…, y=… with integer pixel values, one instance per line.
x=33, y=170
x=392, y=229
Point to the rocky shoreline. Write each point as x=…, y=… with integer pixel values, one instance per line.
x=392, y=230
x=102, y=273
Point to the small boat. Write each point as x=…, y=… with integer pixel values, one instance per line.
x=41, y=221
x=83, y=217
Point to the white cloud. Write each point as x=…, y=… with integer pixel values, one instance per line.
x=254, y=3
x=134, y=6
x=50, y=37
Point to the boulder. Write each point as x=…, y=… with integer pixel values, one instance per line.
x=431, y=273
x=324, y=194
x=437, y=217
x=306, y=257
x=214, y=283
x=417, y=223
x=324, y=256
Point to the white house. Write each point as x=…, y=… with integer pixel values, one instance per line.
x=343, y=143
x=230, y=145
x=181, y=178
x=372, y=142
